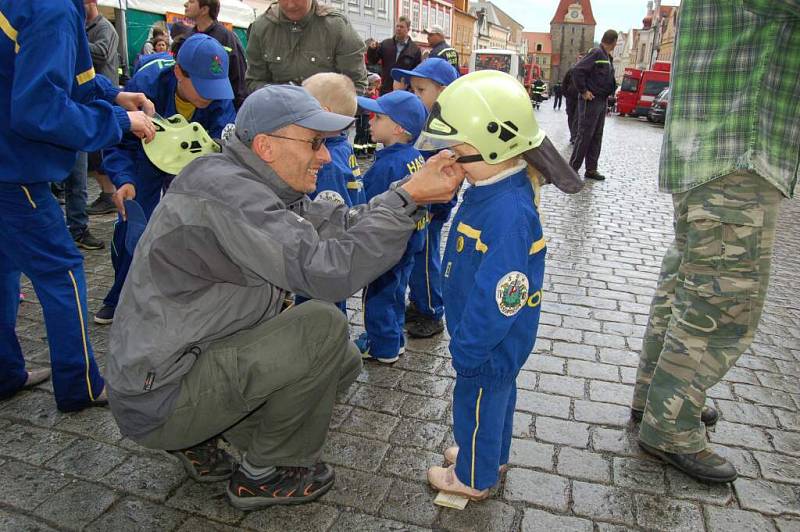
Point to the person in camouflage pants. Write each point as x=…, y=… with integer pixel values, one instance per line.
x=731, y=151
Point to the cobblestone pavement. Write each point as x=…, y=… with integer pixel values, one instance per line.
x=575, y=464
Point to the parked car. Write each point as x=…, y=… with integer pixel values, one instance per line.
x=658, y=111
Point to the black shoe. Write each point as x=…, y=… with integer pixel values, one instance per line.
x=101, y=205
x=86, y=240
x=594, y=175
x=709, y=416
x=424, y=327
x=412, y=314
x=206, y=462
x=288, y=485
x=105, y=316
x=706, y=465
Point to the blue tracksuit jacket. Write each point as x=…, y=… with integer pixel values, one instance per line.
x=492, y=283
x=51, y=103
x=384, y=298
x=340, y=180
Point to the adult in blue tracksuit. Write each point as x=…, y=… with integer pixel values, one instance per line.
x=338, y=182
x=424, y=314
x=51, y=107
x=194, y=85
x=399, y=118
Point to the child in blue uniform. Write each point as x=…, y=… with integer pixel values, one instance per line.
x=196, y=86
x=399, y=117
x=338, y=181
x=53, y=106
x=493, y=269
x=424, y=313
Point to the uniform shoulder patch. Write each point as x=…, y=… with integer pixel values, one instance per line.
x=512, y=293
x=330, y=196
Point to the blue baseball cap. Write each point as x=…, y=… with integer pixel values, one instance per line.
x=273, y=107
x=434, y=69
x=402, y=107
x=206, y=62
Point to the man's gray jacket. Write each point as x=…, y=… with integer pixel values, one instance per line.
x=226, y=244
x=103, y=45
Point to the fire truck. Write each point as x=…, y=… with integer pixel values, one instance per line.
x=640, y=87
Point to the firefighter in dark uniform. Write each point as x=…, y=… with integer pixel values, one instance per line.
x=440, y=48
x=537, y=92
x=571, y=96
x=593, y=77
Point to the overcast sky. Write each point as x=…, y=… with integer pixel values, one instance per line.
x=620, y=15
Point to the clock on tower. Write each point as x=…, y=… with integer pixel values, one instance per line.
x=575, y=13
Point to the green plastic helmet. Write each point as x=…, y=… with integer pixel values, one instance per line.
x=177, y=143
x=489, y=110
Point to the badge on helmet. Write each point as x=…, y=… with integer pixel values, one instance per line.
x=177, y=143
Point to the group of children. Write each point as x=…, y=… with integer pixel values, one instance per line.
x=490, y=289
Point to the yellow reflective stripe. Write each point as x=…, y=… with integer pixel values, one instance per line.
x=473, y=233
x=9, y=30
x=83, y=77
x=475, y=436
x=357, y=172
x=427, y=273
x=227, y=49
x=355, y=185
x=602, y=61
x=83, y=335
x=28, y=195
x=537, y=246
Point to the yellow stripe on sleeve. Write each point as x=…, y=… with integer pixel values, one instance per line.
x=86, y=76
x=8, y=29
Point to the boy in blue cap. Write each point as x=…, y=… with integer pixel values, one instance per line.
x=424, y=312
x=399, y=118
x=53, y=107
x=338, y=181
x=196, y=86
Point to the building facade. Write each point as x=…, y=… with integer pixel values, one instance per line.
x=424, y=14
x=370, y=18
x=669, y=27
x=572, y=32
x=540, y=52
x=497, y=29
x=464, y=26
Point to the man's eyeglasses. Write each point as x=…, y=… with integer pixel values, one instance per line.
x=316, y=142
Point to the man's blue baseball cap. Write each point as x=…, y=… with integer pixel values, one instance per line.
x=206, y=62
x=402, y=107
x=435, y=69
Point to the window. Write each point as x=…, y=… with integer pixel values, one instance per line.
x=415, y=20
x=440, y=17
x=629, y=84
x=382, y=6
x=369, y=4
x=405, y=8
x=654, y=87
x=538, y=47
x=424, y=16
x=354, y=5
x=447, y=23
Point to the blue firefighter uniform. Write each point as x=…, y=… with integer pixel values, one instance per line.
x=339, y=182
x=51, y=106
x=384, y=298
x=127, y=162
x=492, y=281
x=425, y=283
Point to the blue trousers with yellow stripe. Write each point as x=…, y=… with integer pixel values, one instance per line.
x=384, y=301
x=148, y=194
x=483, y=420
x=34, y=240
x=425, y=284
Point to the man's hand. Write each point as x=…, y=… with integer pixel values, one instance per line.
x=588, y=96
x=135, y=101
x=437, y=181
x=125, y=192
x=141, y=125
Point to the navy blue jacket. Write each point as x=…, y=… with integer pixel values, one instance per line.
x=338, y=181
x=51, y=103
x=493, y=270
x=126, y=161
x=394, y=163
x=595, y=72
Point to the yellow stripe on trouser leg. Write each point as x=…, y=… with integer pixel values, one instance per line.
x=28, y=195
x=427, y=273
x=83, y=335
x=475, y=435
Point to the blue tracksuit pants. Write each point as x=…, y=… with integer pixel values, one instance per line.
x=425, y=284
x=148, y=194
x=34, y=240
x=483, y=420
x=385, y=309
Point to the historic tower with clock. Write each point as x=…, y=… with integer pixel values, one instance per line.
x=572, y=33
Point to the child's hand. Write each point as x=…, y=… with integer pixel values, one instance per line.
x=437, y=181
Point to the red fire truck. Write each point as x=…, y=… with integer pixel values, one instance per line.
x=640, y=87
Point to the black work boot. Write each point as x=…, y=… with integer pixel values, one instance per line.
x=206, y=462
x=412, y=314
x=706, y=466
x=709, y=416
x=424, y=327
x=597, y=176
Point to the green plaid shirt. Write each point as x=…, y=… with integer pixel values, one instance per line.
x=735, y=94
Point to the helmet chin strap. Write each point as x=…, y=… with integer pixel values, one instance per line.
x=470, y=158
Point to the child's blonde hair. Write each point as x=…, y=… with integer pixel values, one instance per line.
x=335, y=92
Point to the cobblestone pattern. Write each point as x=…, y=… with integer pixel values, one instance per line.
x=575, y=463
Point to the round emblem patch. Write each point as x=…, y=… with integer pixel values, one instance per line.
x=331, y=196
x=460, y=244
x=511, y=293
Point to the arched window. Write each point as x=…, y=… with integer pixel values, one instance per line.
x=538, y=47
